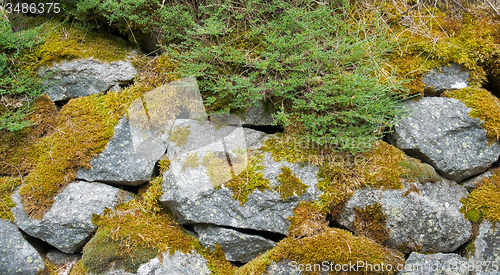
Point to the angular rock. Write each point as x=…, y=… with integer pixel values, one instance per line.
x=59, y=258
x=256, y=115
x=434, y=264
x=487, y=248
x=129, y=158
x=176, y=264
x=470, y=184
x=68, y=225
x=85, y=77
x=237, y=246
x=191, y=194
x=440, y=132
x=423, y=217
x=450, y=77
x=17, y=256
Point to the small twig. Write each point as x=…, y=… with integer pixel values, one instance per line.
x=130, y=30
x=18, y=171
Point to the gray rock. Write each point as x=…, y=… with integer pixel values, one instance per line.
x=191, y=195
x=176, y=264
x=471, y=183
x=129, y=158
x=17, y=256
x=86, y=77
x=427, y=219
x=67, y=225
x=450, y=77
x=237, y=246
x=257, y=115
x=59, y=258
x=283, y=268
x=487, y=248
x=434, y=264
x=440, y=132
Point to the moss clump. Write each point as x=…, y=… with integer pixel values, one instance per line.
x=308, y=220
x=67, y=42
x=485, y=106
x=16, y=147
x=7, y=186
x=414, y=170
x=484, y=201
x=164, y=164
x=83, y=128
x=218, y=170
x=290, y=184
x=192, y=161
x=370, y=222
x=250, y=179
x=180, y=135
x=336, y=246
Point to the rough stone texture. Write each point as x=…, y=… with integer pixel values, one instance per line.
x=17, y=256
x=256, y=115
x=60, y=258
x=191, y=195
x=86, y=77
x=429, y=221
x=237, y=246
x=434, y=264
x=450, y=77
x=129, y=158
x=471, y=183
x=439, y=131
x=487, y=248
x=176, y=264
x=67, y=225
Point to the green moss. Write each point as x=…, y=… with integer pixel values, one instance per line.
x=308, y=220
x=180, y=135
x=249, y=180
x=192, y=161
x=333, y=245
x=484, y=201
x=218, y=170
x=164, y=164
x=290, y=184
x=7, y=186
x=415, y=170
x=370, y=222
x=485, y=106
x=83, y=128
x=67, y=42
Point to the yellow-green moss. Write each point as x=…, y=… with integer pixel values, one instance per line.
x=308, y=220
x=484, y=201
x=192, y=161
x=249, y=180
x=7, y=186
x=333, y=245
x=16, y=148
x=83, y=128
x=290, y=184
x=180, y=135
x=414, y=170
x=66, y=42
x=218, y=170
x=485, y=106
x=164, y=164
x=370, y=222
x=428, y=37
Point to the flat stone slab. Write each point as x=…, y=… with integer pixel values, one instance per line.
x=17, y=256
x=68, y=223
x=434, y=264
x=448, y=77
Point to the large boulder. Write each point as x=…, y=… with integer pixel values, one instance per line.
x=237, y=246
x=70, y=79
x=176, y=264
x=205, y=159
x=17, y=256
x=423, y=217
x=486, y=249
x=452, y=76
x=129, y=158
x=440, y=132
x=68, y=225
x=434, y=264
